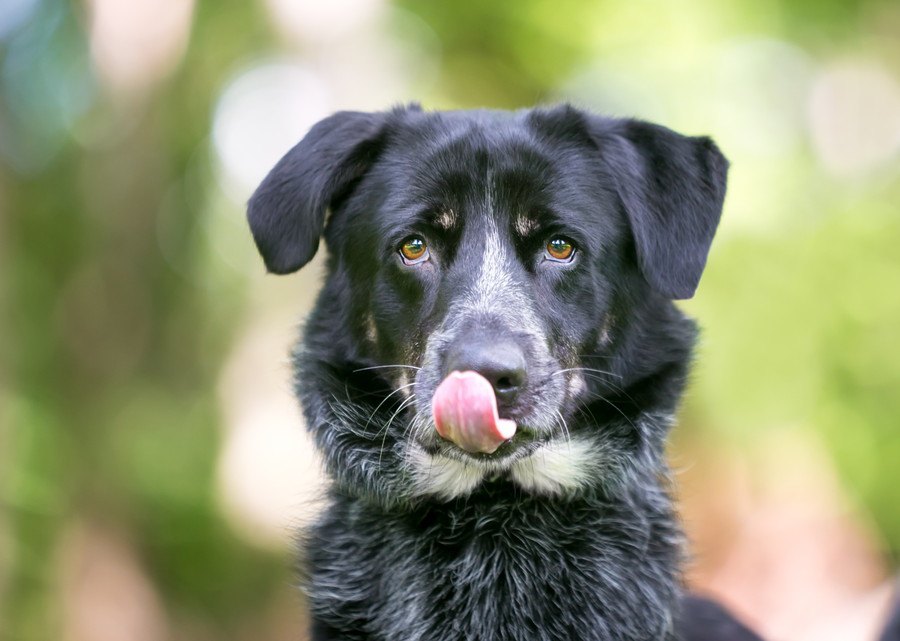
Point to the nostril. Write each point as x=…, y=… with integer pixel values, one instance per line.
x=508, y=384
x=502, y=363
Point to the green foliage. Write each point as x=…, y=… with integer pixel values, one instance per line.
x=121, y=300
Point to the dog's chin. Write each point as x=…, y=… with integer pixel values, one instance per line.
x=515, y=449
x=538, y=461
x=525, y=442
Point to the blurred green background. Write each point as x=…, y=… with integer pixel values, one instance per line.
x=152, y=462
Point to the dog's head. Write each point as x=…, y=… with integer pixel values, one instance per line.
x=539, y=249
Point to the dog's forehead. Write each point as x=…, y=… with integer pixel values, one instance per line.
x=463, y=166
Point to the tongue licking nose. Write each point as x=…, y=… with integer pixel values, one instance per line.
x=465, y=413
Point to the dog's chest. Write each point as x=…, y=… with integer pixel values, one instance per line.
x=497, y=574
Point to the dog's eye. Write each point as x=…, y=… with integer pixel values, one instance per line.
x=560, y=250
x=414, y=250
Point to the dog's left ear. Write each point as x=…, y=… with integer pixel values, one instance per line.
x=287, y=210
x=672, y=188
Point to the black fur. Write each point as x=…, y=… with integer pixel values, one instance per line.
x=703, y=620
x=891, y=630
x=287, y=211
x=421, y=540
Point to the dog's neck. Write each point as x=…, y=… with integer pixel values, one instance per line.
x=513, y=566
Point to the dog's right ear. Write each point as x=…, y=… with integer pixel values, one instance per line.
x=287, y=210
x=671, y=187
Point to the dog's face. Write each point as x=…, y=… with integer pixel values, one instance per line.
x=516, y=246
x=492, y=252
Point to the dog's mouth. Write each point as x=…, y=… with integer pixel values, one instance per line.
x=464, y=408
x=474, y=412
x=466, y=418
x=525, y=440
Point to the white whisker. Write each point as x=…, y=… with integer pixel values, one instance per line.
x=363, y=369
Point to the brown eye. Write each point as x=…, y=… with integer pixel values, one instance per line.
x=560, y=249
x=413, y=250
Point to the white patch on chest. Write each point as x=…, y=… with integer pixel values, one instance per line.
x=441, y=476
x=558, y=468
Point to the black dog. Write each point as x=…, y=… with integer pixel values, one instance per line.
x=492, y=367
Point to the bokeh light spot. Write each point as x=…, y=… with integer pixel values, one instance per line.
x=261, y=114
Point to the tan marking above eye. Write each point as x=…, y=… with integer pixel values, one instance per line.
x=446, y=219
x=525, y=226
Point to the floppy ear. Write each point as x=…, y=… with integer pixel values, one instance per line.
x=287, y=210
x=672, y=187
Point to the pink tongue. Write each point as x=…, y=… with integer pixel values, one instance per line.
x=465, y=412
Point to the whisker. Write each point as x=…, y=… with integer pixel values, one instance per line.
x=565, y=426
x=616, y=407
x=585, y=411
x=407, y=430
x=418, y=421
x=406, y=403
x=363, y=369
x=586, y=369
x=595, y=374
x=610, y=384
x=383, y=401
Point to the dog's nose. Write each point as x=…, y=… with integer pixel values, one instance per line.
x=501, y=363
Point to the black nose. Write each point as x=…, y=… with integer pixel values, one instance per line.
x=501, y=363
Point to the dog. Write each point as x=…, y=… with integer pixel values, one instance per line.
x=492, y=367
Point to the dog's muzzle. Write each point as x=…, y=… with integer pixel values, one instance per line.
x=482, y=380
x=464, y=407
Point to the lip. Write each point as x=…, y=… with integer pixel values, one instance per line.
x=525, y=442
